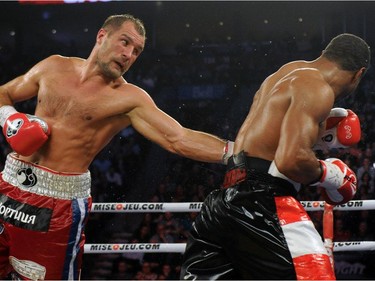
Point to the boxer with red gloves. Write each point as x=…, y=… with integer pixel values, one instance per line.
x=25, y=133
x=82, y=104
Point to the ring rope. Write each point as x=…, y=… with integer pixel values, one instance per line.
x=180, y=247
x=143, y=207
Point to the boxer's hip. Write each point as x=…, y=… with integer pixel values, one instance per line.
x=253, y=174
x=40, y=180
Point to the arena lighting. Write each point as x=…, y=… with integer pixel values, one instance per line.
x=45, y=2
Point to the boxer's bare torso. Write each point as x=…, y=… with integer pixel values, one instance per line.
x=83, y=115
x=295, y=101
x=85, y=102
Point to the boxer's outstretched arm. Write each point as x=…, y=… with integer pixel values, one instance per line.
x=159, y=127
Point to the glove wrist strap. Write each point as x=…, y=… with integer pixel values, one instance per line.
x=321, y=176
x=5, y=112
x=332, y=176
x=227, y=152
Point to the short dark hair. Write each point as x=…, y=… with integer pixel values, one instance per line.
x=349, y=51
x=115, y=21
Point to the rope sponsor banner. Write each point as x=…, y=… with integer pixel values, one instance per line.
x=135, y=247
x=354, y=205
x=354, y=246
x=143, y=207
x=180, y=247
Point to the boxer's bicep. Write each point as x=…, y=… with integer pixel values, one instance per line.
x=299, y=132
x=25, y=86
x=309, y=106
x=18, y=89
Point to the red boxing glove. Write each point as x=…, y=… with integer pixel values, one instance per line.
x=25, y=133
x=342, y=130
x=338, y=180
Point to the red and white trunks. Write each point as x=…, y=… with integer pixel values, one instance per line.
x=42, y=219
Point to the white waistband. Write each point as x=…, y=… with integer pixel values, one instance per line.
x=274, y=171
x=40, y=180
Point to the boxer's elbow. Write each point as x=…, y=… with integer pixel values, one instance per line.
x=182, y=144
x=297, y=166
x=175, y=143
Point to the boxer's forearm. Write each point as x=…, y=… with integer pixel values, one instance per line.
x=202, y=146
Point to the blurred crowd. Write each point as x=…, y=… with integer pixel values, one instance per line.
x=120, y=167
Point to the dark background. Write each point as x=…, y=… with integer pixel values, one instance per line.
x=180, y=31
x=215, y=21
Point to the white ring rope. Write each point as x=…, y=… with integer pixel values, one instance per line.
x=144, y=207
x=135, y=248
x=180, y=247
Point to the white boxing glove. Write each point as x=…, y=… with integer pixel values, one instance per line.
x=339, y=182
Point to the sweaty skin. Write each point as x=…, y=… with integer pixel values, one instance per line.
x=86, y=102
x=288, y=113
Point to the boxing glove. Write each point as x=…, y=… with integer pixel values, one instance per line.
x=339, y=182
x=342, y=130
x=25, y=133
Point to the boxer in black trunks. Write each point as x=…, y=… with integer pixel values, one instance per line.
x=253, y=227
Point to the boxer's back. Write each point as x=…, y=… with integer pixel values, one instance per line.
x=260, y=132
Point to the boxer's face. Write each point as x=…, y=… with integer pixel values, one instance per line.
x=119, y=49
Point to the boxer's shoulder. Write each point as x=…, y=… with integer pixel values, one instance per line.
x=55, y=64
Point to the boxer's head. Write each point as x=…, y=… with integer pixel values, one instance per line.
x=352, y=55
x=349, y=51
x=115, y=22
x=118, y=44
